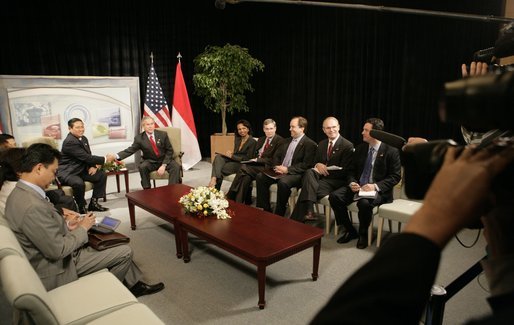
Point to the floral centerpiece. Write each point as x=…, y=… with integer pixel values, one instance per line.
x=204, y=201
x=114, y=166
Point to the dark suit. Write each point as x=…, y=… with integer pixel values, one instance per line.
x=316, y=186
x=222, y=166
x=242, y=184
x=303, y=159
x=386, y=174
x=59, y=256
x=394, y=287
x=150, y=160
x=73, y=168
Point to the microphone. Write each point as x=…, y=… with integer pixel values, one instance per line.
x=393, y=140
x=220, y=4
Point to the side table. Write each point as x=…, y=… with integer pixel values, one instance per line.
x=123, y=172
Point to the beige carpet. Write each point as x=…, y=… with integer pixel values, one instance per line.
x=219, y=288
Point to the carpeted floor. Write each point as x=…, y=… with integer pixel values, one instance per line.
x=219, y=288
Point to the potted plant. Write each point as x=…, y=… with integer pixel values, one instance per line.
x=222, y=76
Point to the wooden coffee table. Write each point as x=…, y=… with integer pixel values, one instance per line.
x=256, y=236
x=162, y=202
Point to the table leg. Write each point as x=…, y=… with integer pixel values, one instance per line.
x=178, y=241
x=261, y=279
x=185, y=245
x=125, y=173
x=132, y=214
x=315, y=260
x=118, y=182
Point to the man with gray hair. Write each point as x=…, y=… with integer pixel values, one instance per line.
x=241, y=188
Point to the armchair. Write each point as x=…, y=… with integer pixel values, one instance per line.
x=175, y=138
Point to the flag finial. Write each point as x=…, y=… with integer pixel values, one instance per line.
x=179, y=56
x=151, y=57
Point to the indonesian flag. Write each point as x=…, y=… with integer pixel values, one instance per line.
x=182, y=117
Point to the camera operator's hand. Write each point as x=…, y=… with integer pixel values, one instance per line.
x=459, y=193
x=475, y=69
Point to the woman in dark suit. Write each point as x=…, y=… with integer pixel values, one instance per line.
x=244, y=149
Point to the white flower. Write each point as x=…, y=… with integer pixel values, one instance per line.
x=205, y=201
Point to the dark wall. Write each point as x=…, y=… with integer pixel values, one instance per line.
x=319, y=61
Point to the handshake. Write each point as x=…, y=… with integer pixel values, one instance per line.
x=110, y=157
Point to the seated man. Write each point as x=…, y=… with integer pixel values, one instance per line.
x=292, y=159
x=157, y=153
x=318, y=182
x=241, y=187
x=57, y=254
x=78, y=165
x=376, y=167
x=10, y=162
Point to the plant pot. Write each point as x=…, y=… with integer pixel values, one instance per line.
x=221, y=143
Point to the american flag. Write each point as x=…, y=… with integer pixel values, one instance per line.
x=155, y=103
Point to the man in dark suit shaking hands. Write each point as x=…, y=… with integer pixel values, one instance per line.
x=376, y=167
x=157, y=153
x=77, y=165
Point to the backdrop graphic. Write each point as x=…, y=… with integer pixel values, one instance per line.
x=42, y=105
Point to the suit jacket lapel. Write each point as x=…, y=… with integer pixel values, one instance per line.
x=85, y=144
x=379, y=159
x=299, y=146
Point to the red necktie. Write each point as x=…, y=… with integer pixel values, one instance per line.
x=154, y=146
x=266, y=146
x=329, y=152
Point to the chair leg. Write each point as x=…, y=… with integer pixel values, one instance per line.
x=379, y=231
x=370, y=232
x=327, y=219
x=153, y=183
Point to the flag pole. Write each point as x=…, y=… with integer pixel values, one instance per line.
x=151, y=57
x=179, y=57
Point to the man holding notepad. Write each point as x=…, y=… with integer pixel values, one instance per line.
x=375, y=171
x=330, y=171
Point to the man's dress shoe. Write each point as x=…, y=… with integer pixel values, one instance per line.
x=310, y=216
x=95, y=206
x=140, y=288
x=346, y=237
x=362, y=242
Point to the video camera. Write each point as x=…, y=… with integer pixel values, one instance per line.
x=480, y=104
x=502, y=48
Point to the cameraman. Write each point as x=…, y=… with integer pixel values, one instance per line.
x=394, y=286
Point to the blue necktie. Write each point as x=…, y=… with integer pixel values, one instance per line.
x=366, y=173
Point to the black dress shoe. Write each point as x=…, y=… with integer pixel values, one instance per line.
x=95, y=206
x=83, y=210
x=140, y=288
x=362, y=242
x=310, y=216
x=346, y=237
